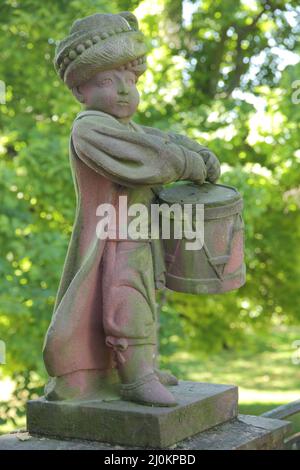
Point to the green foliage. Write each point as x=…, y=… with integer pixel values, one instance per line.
x=223, y=81
x=220, y=79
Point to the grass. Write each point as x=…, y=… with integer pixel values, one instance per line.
x=264, y=370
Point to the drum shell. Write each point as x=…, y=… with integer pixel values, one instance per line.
x=219, y=265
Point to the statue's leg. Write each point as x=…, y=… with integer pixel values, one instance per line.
x=130, y=320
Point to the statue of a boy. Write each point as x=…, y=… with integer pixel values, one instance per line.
x=103, y=330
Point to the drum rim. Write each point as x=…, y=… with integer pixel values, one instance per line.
x=236, y=198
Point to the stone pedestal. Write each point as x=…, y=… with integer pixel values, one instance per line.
x=201, y=406
x=241, y=433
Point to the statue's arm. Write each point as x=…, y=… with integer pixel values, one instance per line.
x=131, y=158
x=211, y=161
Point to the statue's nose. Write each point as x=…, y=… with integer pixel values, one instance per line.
x=123, y=88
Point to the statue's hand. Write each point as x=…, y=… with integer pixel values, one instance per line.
x=212, y=165
x=196, y=170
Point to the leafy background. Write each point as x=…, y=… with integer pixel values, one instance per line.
x=220, y=72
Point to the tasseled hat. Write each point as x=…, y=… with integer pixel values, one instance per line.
x=100, y=42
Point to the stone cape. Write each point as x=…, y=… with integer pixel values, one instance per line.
x=102, y=154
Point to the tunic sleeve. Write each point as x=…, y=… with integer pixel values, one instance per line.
x=130, y=158
x=211, y=161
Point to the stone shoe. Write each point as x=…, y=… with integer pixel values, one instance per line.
x=148, y=391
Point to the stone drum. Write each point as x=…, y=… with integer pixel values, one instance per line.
x=218, y=266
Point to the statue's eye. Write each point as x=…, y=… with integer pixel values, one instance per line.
x=131, y=81
x=106, y=81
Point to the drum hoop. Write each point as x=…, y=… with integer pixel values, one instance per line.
x=217, y=206
x=218, y=212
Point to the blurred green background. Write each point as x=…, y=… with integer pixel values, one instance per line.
x=226, y=74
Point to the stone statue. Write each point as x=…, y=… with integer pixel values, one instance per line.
x=102, y=338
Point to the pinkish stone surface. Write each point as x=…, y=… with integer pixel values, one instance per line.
x=105, y=317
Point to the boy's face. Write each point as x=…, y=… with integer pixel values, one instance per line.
x=113, y=92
